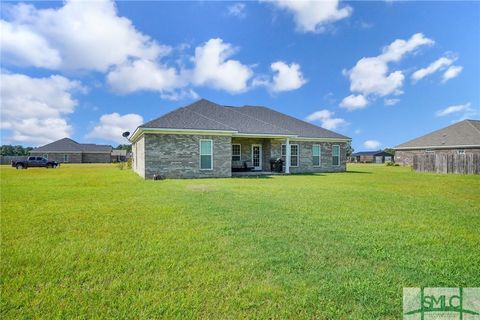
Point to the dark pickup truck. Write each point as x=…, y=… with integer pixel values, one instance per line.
x=34, y=162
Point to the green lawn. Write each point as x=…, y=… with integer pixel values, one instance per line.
x=93, y=241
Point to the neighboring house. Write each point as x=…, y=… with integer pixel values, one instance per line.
x=119, y=155
x=68, y=151
x=205, y=139
x=378, y=156
x=460, y=138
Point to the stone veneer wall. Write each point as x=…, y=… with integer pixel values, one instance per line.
x=178, y=156
x=306, y=156
x=138, y=156
x=59, y=157
x=405, y=157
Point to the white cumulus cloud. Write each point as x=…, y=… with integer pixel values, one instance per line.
x=213, y=68
x=85, y=35
x=313, y=15
x=92, y=36
x=353, y=102
x=237, y=10
x=34, y=110
x=144, y=75
x=22, y=46
x=287, y=77
x=398, y=48
x=454, y=109
x=111, y=126
x=451, y=73
x=372, y=144
x=326, y=119
x=391, y=102
x=371, y=76
x=435, y=66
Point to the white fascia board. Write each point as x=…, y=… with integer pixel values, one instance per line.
x=131, y=138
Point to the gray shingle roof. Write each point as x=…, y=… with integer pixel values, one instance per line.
x=184, y=118
x=291, y=124
x=69, y=145
x=206, y=115
x=90, y=147
x=463, y=133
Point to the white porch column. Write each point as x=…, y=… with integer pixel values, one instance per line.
x=287, y=157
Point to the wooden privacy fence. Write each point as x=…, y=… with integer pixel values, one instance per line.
x=447, y=163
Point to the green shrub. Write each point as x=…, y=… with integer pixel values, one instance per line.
x=122, y=165
x=389, y=163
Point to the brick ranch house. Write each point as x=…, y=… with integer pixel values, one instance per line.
x=67, y=150
x=205, y=139
x=460, y=138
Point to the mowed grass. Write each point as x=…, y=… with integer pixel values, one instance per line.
x=93, y=241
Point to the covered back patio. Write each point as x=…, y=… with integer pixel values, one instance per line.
x=254, y=156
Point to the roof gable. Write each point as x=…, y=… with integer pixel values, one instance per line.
x=463, y=133
x=185, y=118
x=69, y=145
x=65, y=144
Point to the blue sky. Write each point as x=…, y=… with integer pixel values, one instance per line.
x=379, y=72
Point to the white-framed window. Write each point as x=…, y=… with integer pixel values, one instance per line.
x=316, y=155
x=45, y=156
x=294, y=154
x=66, y=158
x=236, y=152
x=336, y=155
x=206, y=154
x=461, y=151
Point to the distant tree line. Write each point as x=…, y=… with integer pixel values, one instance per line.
x=10, y=150
x=127, y=147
